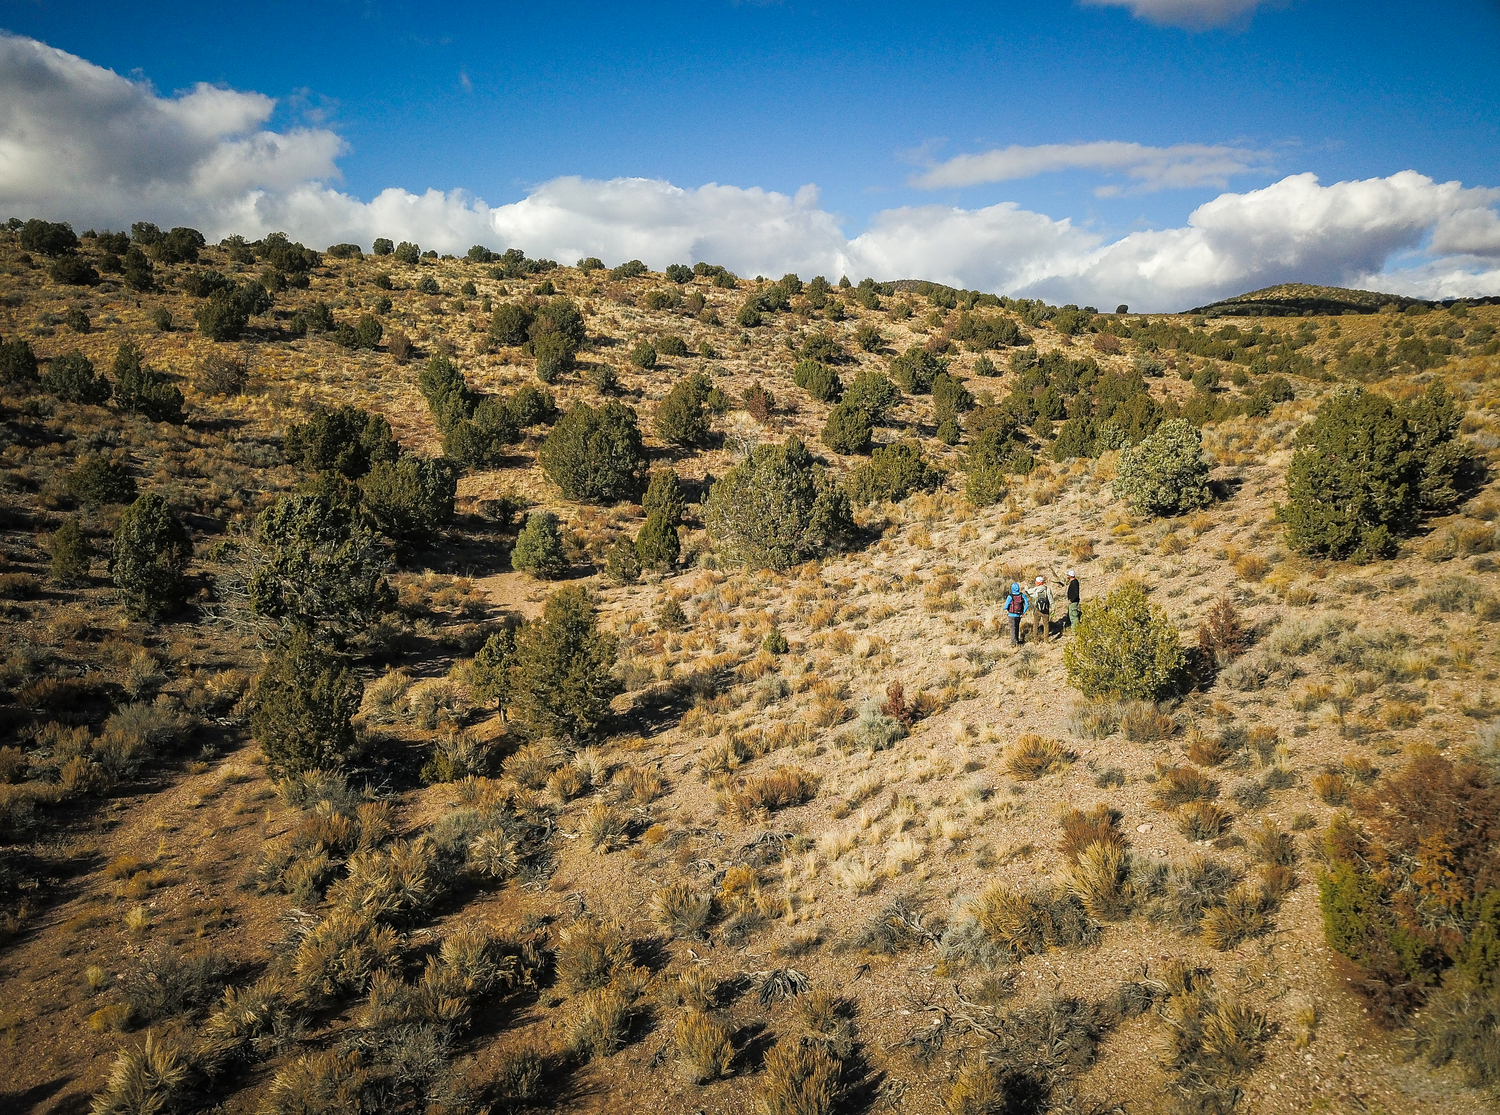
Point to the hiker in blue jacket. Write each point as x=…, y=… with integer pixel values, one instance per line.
x=1016, y=605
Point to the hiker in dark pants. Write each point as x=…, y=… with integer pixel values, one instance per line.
x=1015, y=607
x=1072, y=601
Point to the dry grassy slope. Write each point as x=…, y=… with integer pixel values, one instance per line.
x=914, y=607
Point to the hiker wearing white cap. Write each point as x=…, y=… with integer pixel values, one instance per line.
x=1072, y=601
x=1041, y=609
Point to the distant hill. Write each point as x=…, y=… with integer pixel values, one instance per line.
x=1297, y=299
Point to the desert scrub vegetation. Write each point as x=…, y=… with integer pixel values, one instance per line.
x=1410, y=897
x=1165, y=474
x=777, y=508
x=1125, y=646
x=1368, y=470
x=498, y=790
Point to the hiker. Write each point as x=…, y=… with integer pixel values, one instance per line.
x=1072, y=600
x=1041, y=609
x=1015, y=607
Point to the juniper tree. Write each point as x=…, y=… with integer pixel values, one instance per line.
x=777, y=508
x=893, y=472
x=142, y=389
x=72, y=378
x=664, y=496
x=71, y=553
x=657, y=545
x=412, y=497
x=150, y=556
x=1125, y=647
x=302, y=705
x=1166, y=473
x=96, y=479
x=595, y=454
x=314, y=565
x=561, y=678
x=1367, y=469
x=538, y=549
x=18, y=362
x=682, y=417
x=489, y=677
x=345, y=439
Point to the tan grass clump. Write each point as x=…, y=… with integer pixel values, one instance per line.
x=603, y=827
x=1080, y=830
x=598, y=1022
x=695, y=988
x=1202, y=820
x=143, y=1080
x=1205, y=750
x=1332, y=787
x=1012, y=917
x=982, y=1088
x=704, y=1046
x=641, y=786
x=1143, y=722
x=1177, y=786
x=1094, y=719
x=681, y=910
x=1098, y=879
x=801, y=1078
x=590, y=953
x=1269, y=844
x=1033, y=756
x=1251, y=567
x=778, y=789
x=1245, y=913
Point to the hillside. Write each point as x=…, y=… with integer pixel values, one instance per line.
x=813, y=828
x=1301, y=299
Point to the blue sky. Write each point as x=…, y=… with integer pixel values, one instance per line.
x=868, y=102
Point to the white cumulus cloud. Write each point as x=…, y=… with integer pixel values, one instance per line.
x=82, y=144
x=1149, y=168
x=80, y=139
x=1194, y=15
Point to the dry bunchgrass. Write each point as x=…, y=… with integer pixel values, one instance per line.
x=801, y=1078
x=1082, y=829
x=1177, y=786
x=766, y=793
x=144, y=1080
x=1244, y=913
x=1143, y=722
x=1251, y=567
x=598, y=1021
x=1206, y=750
x=1012, y=917
x=983, y=1087
x=641, y=786
x=901, y=855
x=603, y=827
x=1202, y=820
x=681, y=910
x=1332, y=787
x=704, y=1047
x=1208, y=1044
x=532, y=764
x=1033, y=756
x=1094, y=719
x=1099, y=877
x=1269, y=844
x=695, y=988
x=590, y=953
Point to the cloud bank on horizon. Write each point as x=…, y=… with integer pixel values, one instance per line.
x=82, y=143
